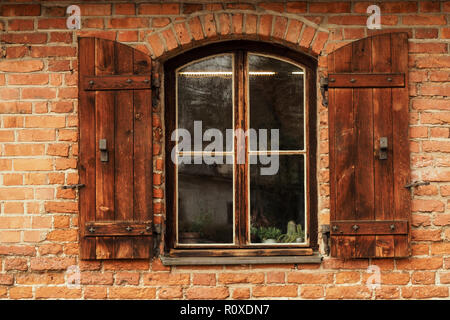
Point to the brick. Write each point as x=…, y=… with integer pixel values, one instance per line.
x=424, y=20
x=6, y=279
x=167, y=279
x=95, y=293
x=204, y=279
x=12, y=179
x=95, y=9
x=52, y=51
x=9, y=236
x=296, y=7
x=275, y=277
x=16, y=193
x=432, y=62
x=38, y=93
x=48, y=249
x=21, y=293
x=125, y=9
x=348, y=20
x=347, y=277
x=329, y=7
x=442, y=219
x=275, y=291
x=61, y=207
x=280, y=27
x=419, y=264
x=425, y=292
x=61, y=37
x=169, y=37
x=24, y=38
x=426, y=33
x=57, y=292
x=128, y=23
x=435, y=90
x=127, y=278
x=171, y=293
x=52, y=23
x=440, y=248
x=64, y=164
x=207, y=293
x=430, y=104
x=240, y=293
x=251, y=24
x=132, y=293
x=96, y=278
x=265, y=25
x=444, y=277
x=307, y=36
x=233, y=278
x=15, y=107
x=209, y=25
x=20, y=25
x=159, y=9
x=182, y=33
x=24, y=149
x=294, y=30
x=427, y=205
x=17, y=250
x=224, y=22
x=14, y=10
x=309, y=278
x=421, y=220
x=311, y=292
x=347, y=292
x=423, y=278
x=445, y=33
x=319, y=42
x=9, y=93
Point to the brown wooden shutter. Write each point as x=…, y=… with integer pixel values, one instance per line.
x=368, y=100
x=115, y=106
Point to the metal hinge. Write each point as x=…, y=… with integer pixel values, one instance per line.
x=324, y=90
x=416, y=184
x=157, y=229
x=325, y=230
x=74, y=186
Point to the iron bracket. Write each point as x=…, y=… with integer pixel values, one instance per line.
x=324, y=90
x=325, y=230
x=417, y=183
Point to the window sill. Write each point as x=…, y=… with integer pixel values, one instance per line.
x=192, y=261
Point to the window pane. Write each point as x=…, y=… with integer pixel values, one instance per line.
x=205, y=203
x=277, y=202
x=276, y=100
x=205, y=93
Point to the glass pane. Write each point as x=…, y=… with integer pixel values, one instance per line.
x=205, y=203
x=277, y=100
x=277, y=202
x=205, y=94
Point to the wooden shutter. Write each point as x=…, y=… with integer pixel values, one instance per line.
x=368, y=100
x=115, y=106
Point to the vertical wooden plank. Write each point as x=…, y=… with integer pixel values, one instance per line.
x=382, y=106
x=104, y=107
x=124, y=132
x=364, y=177
x=331, y=142
x=344, y=152
x=86, y=163
x=401, y=155
x=143, y=167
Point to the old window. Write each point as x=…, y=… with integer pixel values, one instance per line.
x=240, y=151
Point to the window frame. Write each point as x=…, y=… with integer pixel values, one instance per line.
x=239, y=47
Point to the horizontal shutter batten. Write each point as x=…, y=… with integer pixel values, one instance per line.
x=366, y=80
x=358, y=227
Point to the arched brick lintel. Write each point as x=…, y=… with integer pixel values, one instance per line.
x=297, y=34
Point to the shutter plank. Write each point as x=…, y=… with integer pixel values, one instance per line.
x=344, y=162
x=104, y=107
x=381, y=52
x=86, y=164
x=401, y=153
x=364, y=175
x=123, y=192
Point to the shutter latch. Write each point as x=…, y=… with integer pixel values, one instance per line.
x=324, y=90
x=416, y=184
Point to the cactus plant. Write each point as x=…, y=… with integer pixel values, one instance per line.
x=294, y=232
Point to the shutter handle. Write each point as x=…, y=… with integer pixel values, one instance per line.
x=352, y=80
x=392, y=227
x=355, y=227
x=102, y=146
x=91, y=229
x=383, y=148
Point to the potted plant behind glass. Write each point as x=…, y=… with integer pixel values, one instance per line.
x=294, y=234
x=268, y=234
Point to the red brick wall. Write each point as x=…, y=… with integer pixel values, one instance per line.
x=39, y=147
